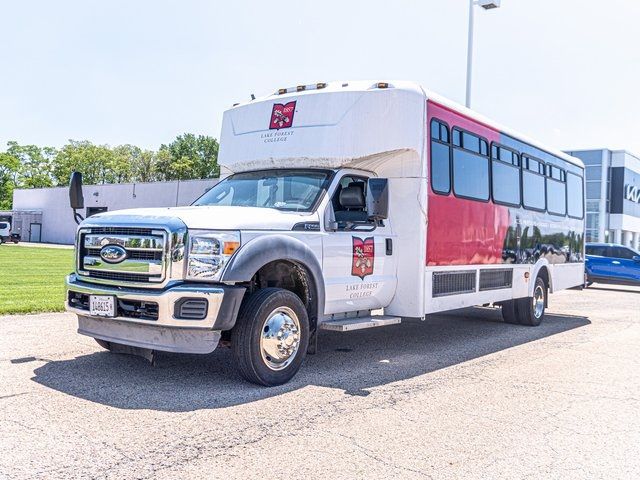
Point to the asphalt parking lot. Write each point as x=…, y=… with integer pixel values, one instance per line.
x=460, y=395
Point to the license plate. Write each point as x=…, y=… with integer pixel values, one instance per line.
x=102, y=305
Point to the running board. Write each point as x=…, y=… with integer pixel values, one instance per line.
x=359, y=323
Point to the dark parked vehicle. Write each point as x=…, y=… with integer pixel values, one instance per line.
x=611, y=263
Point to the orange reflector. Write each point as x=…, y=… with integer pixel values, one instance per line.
x=526, y=274
x=230, y=247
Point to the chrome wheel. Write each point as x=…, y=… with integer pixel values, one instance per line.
x=280, y=338
x=538, y=301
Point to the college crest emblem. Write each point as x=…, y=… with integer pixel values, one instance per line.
x=363, y=257
x=282, y=115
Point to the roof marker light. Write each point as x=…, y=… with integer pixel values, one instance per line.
x=382, y=85
x=301, y=88
x=282, y=91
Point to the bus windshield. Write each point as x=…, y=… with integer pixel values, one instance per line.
x=293, y=190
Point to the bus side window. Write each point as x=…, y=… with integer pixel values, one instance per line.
x=574, y=195
x=440, y=155
x=533, y=187
x=556, y=191
x=471, y=167
x=505, y=173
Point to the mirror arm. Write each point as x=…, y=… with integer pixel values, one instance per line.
x=77, y=217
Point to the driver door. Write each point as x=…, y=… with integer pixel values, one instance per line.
x=359, y=263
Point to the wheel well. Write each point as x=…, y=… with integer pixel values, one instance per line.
x=543, y=273
x=290, y=276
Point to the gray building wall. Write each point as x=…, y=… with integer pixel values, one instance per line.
x=58, y=225
x=610, y=216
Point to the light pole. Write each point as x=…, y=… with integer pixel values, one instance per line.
x=487, y=5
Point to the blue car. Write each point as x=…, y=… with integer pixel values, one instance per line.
x=611, y=263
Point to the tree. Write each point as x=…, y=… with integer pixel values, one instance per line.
x=189, y=157
x=145, y=169
x=9, y=166
x=35, y=170
x=94, y=161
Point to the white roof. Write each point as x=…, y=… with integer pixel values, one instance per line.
x=247, y=119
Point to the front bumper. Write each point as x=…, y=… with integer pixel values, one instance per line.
x=168, y=332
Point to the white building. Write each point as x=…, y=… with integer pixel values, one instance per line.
x=56, y=224
x=613, y=196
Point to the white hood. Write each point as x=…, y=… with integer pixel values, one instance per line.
x=218, y=217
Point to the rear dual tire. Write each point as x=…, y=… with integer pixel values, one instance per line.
x=527, y=311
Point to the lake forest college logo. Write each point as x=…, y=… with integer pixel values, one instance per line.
x=363, y=257
x=282, y=115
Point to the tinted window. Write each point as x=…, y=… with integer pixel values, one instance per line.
x=470, y=142
x=533, y=195
x=556, y=197
x=596, y=250
x=506, y=183
x=534, y=165
x=440, y=152
x=574, y=195
x=470, y=175
x=457, y=138
x=621, y=252
x=3, y=225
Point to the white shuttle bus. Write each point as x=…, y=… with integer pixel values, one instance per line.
x=348, y=205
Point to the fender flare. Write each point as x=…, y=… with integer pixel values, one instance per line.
x=541, y=263
x=269, y=248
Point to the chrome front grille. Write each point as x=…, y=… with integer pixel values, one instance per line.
x=144, y=254
x=122, y=230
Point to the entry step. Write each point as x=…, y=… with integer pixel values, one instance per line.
x=359, y=323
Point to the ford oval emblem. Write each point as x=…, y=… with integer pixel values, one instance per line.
x=113, y=253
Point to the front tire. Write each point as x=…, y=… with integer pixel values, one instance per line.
x=271, y=336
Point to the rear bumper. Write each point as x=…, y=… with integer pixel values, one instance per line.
x=167, y=332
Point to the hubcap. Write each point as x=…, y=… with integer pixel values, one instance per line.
x=538, y=301
x=280, y=338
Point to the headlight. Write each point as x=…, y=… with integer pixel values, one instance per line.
x=209, y=252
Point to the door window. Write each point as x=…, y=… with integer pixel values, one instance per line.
x=597, y=250
x=349, y=203
x=621, y=252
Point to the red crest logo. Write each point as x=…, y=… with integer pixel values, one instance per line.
x=363, y=257
x=282, y=115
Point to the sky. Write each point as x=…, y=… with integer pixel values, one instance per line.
x=564, y=72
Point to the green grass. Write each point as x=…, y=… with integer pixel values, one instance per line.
x=32, y=278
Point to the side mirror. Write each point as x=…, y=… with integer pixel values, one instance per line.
x=378, y=198
x=76, y=199
x=330, y=224
x=636, y=259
